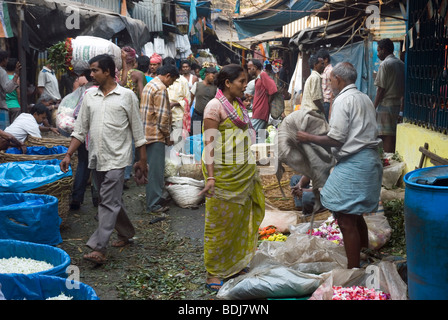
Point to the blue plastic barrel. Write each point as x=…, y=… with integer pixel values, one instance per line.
x=36, y=251
x=41, y=287
x=426, y=225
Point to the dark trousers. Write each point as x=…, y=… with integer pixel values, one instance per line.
x=307, y=201
x=155, y=154
x=82, y=176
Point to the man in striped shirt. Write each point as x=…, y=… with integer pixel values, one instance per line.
x=156, y=115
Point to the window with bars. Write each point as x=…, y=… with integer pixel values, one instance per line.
x=426, y=97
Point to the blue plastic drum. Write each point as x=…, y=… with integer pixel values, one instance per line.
x=426, y=224
x=40, y=252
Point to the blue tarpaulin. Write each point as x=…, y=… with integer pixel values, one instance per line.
x=38, y=150
x=23, y=176
x=274, y=16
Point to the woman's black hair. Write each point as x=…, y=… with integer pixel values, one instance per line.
x=229, y=72
x=105, y=63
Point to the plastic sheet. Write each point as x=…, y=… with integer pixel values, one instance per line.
x=294, y=268
x=27, y=175
x=268, y=279
x=41, y=287
x=38, y=150
x=384, y=276
x=41, y=252
x=30, y=217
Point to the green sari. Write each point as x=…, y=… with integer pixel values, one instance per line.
x=234, y=214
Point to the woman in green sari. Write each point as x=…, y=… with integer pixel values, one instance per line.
x=234, y=206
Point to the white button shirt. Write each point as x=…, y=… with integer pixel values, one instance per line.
x=353, y=122
x=111, y=122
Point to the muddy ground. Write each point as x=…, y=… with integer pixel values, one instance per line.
x=165, y=261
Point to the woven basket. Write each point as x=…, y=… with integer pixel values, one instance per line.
x=191, y=171
x=273, y=194
x=47, y=141
x=62, y=190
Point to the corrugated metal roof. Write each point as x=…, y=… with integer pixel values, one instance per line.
x=111, y=5
x=292, y=28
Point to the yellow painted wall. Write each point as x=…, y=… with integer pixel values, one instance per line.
x=410, y=137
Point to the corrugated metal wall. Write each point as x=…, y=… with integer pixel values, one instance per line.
x=148, y=11
x=394, y=29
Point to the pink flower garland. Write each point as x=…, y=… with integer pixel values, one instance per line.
x=358, y=293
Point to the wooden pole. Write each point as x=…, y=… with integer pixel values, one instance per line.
x=22, y=58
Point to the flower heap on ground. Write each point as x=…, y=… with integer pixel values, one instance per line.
x=329, y=229
x=358, y=293
x=270, y=233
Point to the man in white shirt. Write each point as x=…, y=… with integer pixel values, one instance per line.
x=354, y=186
x=29, y=123
x=389, y=95
x=312, y=97
x=110, y=115
x=47, y=82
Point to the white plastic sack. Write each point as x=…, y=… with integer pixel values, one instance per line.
x=270, y=280
x=87, y=47
x=64, y=116
x=282, y=220
x=392, y=173
x=379, y=230
x=305, y=253
x=185, y=191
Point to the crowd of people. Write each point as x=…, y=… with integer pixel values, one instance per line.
x=124, y=121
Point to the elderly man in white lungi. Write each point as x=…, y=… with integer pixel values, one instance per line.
x=353, y=187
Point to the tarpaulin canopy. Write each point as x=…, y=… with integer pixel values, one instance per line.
x=50, y=21
x=335, y=32
x=273, y=16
